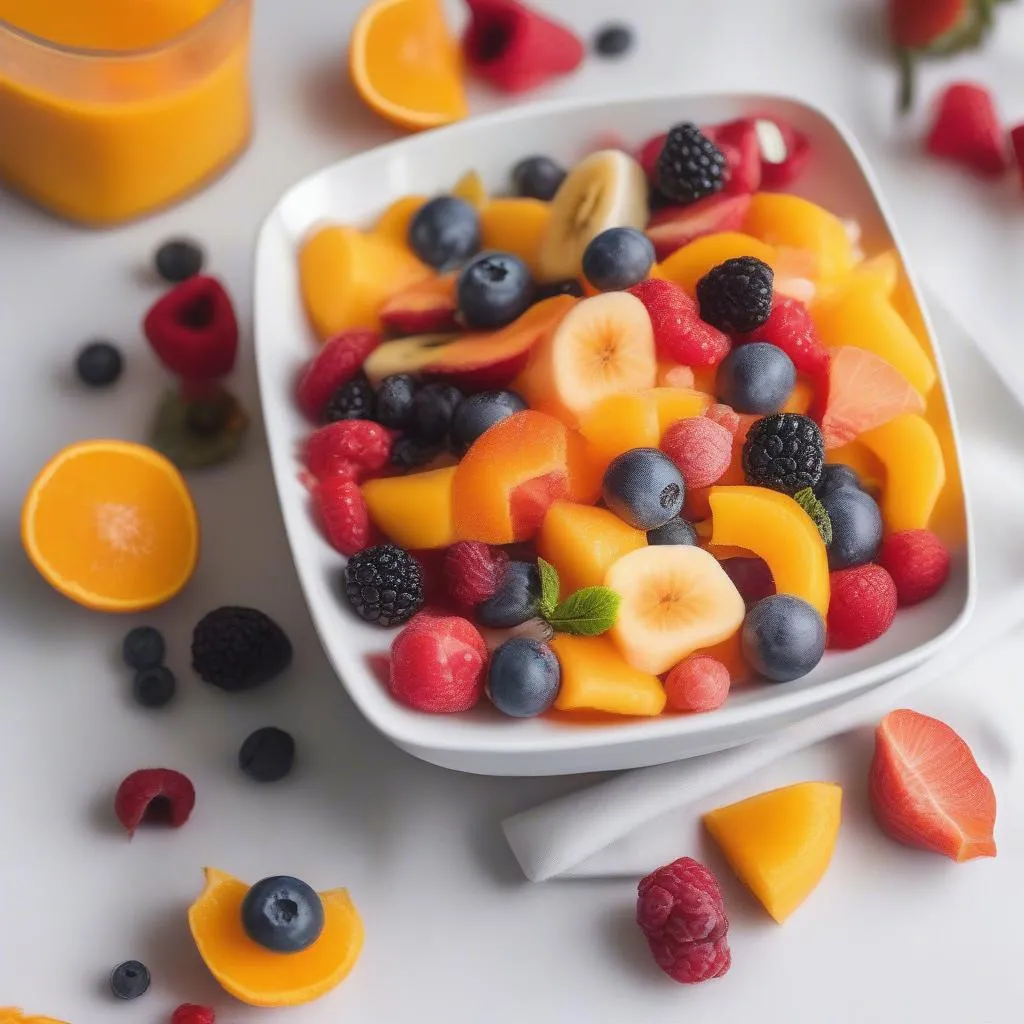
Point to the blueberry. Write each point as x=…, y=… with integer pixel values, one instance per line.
x=613, y=40
x=493, y=290
x=757, y=378
x=570, y=286
x=617, y=258
x=836, y=477
x=783, y=637
x=129, y=980
x=523, y=678
x=143, y=647
x=479, y=412
x=153, y=687
x=445, y=232
x=516, y=600
x=267, y=754
x=408, y=453
x=283, y=914
x=394, y=401
x=675, y=531
x=644, y=488
x=856, y=527
x=537, y=177
x=98, y=364
x=432, y=411
x=178, y=260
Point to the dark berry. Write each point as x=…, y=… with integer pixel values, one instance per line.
x=445, y=232
x=480, y=412
x=178, y=260
x=143, y=647
x=516, y=599
x=129, y=980
x=613, y=40
x=98, y=364
x=283, y=914
x=784, y=452
x=836, y=477
x=691, y=166
x=154, y=796
x=432, y=412
x=408, y=453
x=153, y=687
x=736, y=296
x=757, y=378
x=494, y=289
x=783, y=637
x=239, y=648
x=675, y=531
x=617, y=258
x=384, y=585
x=856, y=527
x=267, y=754
x=644, y=488
x=353, y=400
x=537, y=177
x=570, y=286
x=523, y=678
x=394, y=401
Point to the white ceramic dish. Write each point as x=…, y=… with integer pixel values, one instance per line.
x=355, y=191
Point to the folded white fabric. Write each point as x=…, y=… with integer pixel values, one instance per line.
x=620, y=827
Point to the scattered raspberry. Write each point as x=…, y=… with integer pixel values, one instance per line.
x=345, y=444
x=680, y=910
x=154, y=796
x=438, y=664
x=191, y=1013
x=648, y=155
x=472, y=572
x=697, y=683
x=700, y=448
x=967, y=130
x=789, y=326
x=752, y=577
x=862, y=606
x=679, y=332
x=918, y=563
x=342, y=512
x=337, y=362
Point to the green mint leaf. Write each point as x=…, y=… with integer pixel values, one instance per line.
x=589, y=612
x=550, y=587
x=808, y=501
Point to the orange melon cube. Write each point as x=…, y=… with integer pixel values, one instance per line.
x=595, y=677
x=620, y=422
x=414, y=511
x=515, y=225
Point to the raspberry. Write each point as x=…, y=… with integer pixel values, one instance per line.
x=697, y=683
x=337, y=362
x=348, y=443
x=700, y=448
x=680, y=910
x=789, y=326
x=918, y=563
x=752, y=577
x=725, y=415
x=967, y=130
x=154, y=795
x=438, y=664
x=679, y=332
x=342, y=512
x=861, y=607
x=190, y=1013
x=472, y=572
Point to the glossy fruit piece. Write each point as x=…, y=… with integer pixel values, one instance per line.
x=471, y=188
x=595, y=677
x=686, y=266
x=583, y=542
x=111, y=525
x=863, y=461
x=257, y=976
x=414, y=511
x=884, y=270
x=346, y=275
x=405, y=64
x=426, y=307
x=780, y=843
x=515, y=225
x=618, y=423
x=672, y=227
x=393, y=223
x=677, y=403
x=775, y=528
x=949, y=517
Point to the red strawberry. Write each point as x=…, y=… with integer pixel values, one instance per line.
x=647, y=156
x=191, y=1013
x=790, y=327
x=968, y=131
x=672, y=227
x=927, y=790
x=1017, y=142
x=679, y=332
x=473, y=571
x=781, y=173
x=862, y=606
x=337, y=362
x=343, y=514
x=918, y=563
x=338, y=447
x=515, y=48
x=918, y=24
x=738, y=141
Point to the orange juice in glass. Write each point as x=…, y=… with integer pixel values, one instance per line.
x=112, y=108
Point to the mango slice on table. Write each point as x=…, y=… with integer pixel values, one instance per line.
x=595, y=677
x=414, y=511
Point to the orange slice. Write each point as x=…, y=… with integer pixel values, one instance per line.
x=112, y=526
x=406, y=65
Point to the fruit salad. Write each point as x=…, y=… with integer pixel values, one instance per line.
x=626, y=435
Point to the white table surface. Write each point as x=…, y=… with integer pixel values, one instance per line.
x=454, y=935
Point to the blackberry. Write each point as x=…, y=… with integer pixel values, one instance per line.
x=736, y=296
x=394, y=401
x=239, y=648
x=691, y=166
x=784, y=452
x=408, y=453
x=353, y=400
x=384, y=584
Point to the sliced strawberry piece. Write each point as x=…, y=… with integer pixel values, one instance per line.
x=780, y=169
x=647, y=156
x=672, y=227
x=967, y=130
x=425, y=308
x=738, y=141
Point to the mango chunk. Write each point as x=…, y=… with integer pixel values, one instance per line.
x=595, y=677
x=414, y=511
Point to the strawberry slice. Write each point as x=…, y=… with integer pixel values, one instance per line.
x=738, y=141
x=672, y=227
x=967, y=130
x=927, y=790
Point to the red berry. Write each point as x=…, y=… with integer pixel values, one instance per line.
x=191, y=1013
x=1017, y=142
x=968, y=131
x=782, y=173
x=697, y=683
x=648, y=154
x=337, y=362
x=738, y=142
x=347, y=443
x=752, y=577
x=790, y=327
x=861, y=607
x=679, y=332
x=700, y=448
x=154, y=796
x=438, y=664
x=472, y=572
x=342, y=512
x=737, y=423
x=680, y=910
x=918, y=563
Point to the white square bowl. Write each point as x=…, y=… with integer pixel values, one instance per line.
x=354, y=192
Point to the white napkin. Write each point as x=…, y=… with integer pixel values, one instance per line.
x=619, y=827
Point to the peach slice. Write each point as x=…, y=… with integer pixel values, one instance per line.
x=620, y=422
x=688, y=265
x=414, y=511
x=515, y=225
x=595, y=677
x=426, y=307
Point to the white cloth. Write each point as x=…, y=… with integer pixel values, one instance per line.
x=631, y=823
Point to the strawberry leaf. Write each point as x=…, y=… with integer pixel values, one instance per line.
x=550, y=587
x=590, y=611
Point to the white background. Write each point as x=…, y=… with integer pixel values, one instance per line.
x=454, y=935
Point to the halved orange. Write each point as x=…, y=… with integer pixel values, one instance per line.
x=406, y=65
x=111, y=525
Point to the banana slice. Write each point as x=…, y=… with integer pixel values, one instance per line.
x=607, y=189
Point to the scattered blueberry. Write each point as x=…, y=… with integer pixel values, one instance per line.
x=644, y=488
x=523, y=678
x=537, y=177
x=445, y=232
x=353, y=400
x=432, y=411
x=757, y=378
x=836, y=477
x=493, y=290
x=153, y=687
x=143, y=647
x=129, y=980
x=675, y=531
x=283, y=914
x=783, y=637
x=570, y=286
x=267, y=755
x=394, y=401
x=617, y=258
x=613, y=40
x=516, y=599
x=408, y=453
x=98, y=364
x=178, y=260
x=480, y=412
x=856, y=527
